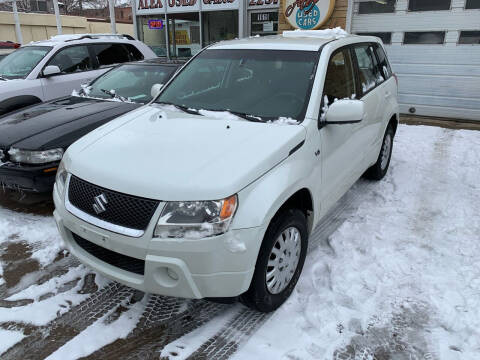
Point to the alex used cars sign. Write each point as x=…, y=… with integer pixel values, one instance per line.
x=308, y=14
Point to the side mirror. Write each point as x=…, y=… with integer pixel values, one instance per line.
x=345, y=112
x=156, y=90
x=51, y=70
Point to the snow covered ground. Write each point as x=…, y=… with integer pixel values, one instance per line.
x=393, y=273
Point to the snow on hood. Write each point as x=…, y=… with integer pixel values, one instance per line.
x=335, y=33
x=172, y=155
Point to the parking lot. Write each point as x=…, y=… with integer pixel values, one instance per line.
x=393, y=273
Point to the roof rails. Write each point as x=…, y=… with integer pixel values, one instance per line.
x=74, y=37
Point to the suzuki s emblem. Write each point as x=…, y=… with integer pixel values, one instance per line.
x=100, y=202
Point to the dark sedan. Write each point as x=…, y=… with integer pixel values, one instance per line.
x=33, y=140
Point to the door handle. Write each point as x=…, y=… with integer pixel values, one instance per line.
x=388, y=94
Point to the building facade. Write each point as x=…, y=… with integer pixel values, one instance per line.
x=433, y=45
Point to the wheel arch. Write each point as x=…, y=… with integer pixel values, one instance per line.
x=18, y=102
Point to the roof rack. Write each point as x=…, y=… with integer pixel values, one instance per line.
x=74, y=37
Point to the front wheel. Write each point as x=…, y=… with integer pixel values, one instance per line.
x=279, y=262
x=378, y=170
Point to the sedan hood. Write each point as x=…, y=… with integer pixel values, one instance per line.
x=57, y=123
x=166, y=154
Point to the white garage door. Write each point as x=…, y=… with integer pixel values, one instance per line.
x=435, y=53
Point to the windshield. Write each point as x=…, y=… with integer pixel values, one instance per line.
x=262, y=83
x=131, y=82
x=21, y=62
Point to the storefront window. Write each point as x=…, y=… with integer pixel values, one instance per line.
x=219, y=25
x=264, y=23
x=152, y=33
x=375, y=7
x=184, y=34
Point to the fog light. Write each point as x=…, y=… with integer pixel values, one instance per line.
x=172, y=274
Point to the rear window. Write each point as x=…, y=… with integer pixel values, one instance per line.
x=134, y=53
x=383, y=62
x=109, y=54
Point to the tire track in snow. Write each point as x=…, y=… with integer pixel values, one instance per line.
x=165, y=320
x=46, y=339
x=229, y=339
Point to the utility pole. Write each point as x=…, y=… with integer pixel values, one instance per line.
x=111, y=3
x=57, y=17
x=18, y=30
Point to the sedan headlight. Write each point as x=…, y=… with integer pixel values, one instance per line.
x=61, y=178
x=35, y=157
x=196, y=219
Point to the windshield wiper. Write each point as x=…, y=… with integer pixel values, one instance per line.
x=113, y=94
x=242, y=115
x=181, y=107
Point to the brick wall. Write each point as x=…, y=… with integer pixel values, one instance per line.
x=338, y=18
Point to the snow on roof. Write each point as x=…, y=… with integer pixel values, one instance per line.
x=335, y=33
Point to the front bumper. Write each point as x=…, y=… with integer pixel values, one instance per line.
x=210, y=267
x=28, y=178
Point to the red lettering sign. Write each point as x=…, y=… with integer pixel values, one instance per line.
x=149, y=4
x=302, y=4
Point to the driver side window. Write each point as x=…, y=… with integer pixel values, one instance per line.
x=340, y=78
x=72, y=59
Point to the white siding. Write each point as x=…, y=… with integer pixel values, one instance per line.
x=436, y=80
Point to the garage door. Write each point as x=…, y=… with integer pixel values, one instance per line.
x=434, y=47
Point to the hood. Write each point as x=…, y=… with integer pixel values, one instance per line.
x=57, y=123
x=170, y=155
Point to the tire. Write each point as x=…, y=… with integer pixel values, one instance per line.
x=265, y=296
x=378, y=170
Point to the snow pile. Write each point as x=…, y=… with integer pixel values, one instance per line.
x=284, y=121
x=403, y=272
x=335, y=33
x=221, y=115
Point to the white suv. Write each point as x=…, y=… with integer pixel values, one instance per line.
x=45, y=70
x=213, y=188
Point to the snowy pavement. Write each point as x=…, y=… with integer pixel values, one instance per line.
x=393, y=273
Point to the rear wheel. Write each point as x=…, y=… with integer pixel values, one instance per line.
x=378, y=170
x=279, y=262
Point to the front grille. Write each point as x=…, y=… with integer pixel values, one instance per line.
x=120, y=209
x=123, y=262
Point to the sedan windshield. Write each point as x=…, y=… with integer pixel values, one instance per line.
x=21, y=62
x=259, y=83
x=132, y=82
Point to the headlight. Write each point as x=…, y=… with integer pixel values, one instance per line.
x=35, y=157
x=196, y=219
x=61, y=178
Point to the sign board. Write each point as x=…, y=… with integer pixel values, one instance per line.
x=210, y=5
x=262, y=4
x=155, y=24
x=308, y=14
x=152, y=7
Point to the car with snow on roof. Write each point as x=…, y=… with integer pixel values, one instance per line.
x=213, y=189
x=49, y=69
